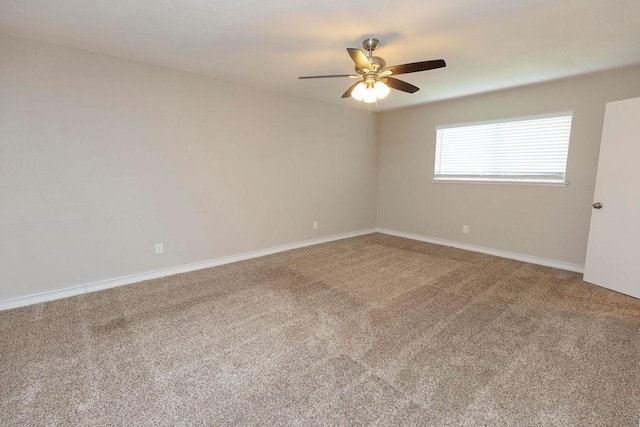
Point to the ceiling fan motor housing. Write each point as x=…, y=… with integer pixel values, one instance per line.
x=377, y=64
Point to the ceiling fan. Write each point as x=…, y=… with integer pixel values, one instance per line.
x=374, y=75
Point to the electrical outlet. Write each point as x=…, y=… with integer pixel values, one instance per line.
x=159, y=248
x=315, y=225
x=465, y=229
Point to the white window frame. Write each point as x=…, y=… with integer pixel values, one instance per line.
x=514, y=180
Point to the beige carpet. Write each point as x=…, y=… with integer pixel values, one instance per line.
x=370, y=330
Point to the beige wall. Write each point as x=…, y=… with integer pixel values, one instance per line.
x=546, y=222
x=101, y=158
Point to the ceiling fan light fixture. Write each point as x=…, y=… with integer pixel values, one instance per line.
x=381, y=89
x=358, y=91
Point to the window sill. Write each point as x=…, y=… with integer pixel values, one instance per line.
x=500, y=182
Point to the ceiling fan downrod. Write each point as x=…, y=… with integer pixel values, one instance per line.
x=370, y=45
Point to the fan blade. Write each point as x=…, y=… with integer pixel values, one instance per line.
x=400, y=85
x=348, y=92
x=414, y=67
x=351, y=76
x=361, y=60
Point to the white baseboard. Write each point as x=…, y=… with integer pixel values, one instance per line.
x=135, y=278
x=503, y=254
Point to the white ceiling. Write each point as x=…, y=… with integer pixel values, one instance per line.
x=488, y=44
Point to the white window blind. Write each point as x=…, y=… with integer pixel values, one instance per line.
x=522, y=150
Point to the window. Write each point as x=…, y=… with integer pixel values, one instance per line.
x=528, y=150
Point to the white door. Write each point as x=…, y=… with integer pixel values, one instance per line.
x=613, y=251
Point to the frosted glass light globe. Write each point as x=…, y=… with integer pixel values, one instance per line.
x=370, y=95
x=358, y=92
x=381, y=89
